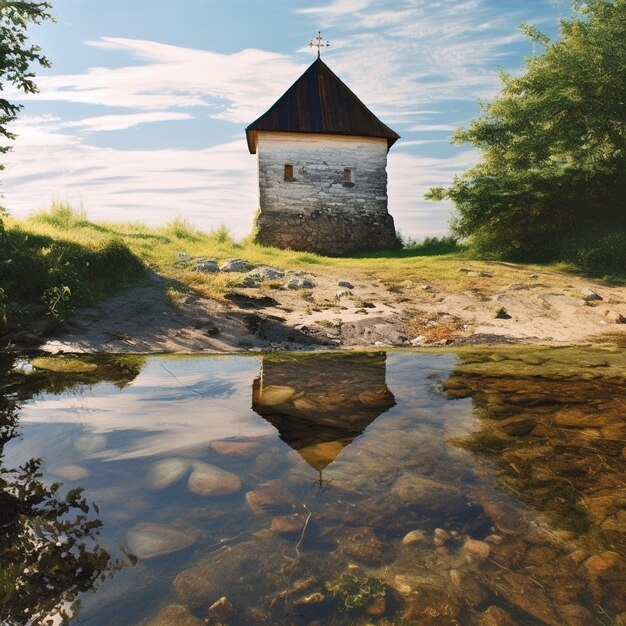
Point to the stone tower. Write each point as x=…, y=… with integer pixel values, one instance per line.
x=322, y=169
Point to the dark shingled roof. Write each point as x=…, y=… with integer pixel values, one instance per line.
x=319, y=102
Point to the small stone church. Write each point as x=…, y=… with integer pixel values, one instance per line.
x=322, y=157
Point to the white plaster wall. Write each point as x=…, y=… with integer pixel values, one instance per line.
x=318, y=165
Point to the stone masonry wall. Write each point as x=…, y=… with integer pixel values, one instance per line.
x=317, y=210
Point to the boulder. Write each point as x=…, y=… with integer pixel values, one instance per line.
x=207, y=266
x=265, y=272
x=208, y=480
x=589, y=295
x=235, y=265
x=300, y=283
x=428, y=495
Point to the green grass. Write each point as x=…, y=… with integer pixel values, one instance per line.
x=61, y=247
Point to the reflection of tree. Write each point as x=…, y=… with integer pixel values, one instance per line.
x=48, y=543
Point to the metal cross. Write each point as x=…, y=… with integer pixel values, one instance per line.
x=318, y=43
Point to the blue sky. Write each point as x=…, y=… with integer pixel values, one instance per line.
x=142, y=116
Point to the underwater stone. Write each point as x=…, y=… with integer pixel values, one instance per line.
x=478, y=550
x=598, y=565
x=287, y=524
x=495, y=616
x=414, y=537
x=236, y=448
x=275, y=394
x=208, y=480
x=148, y=540
x=518, y=426
x=164, y=473
x=174, y=614
x=221, y=610
x=424, y=493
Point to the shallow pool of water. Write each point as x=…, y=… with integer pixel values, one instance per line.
x=484, y=487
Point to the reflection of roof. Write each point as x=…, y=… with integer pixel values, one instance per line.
x=320, y=403
x=319, y=102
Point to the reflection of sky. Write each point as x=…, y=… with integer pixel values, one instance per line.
x=173, y=405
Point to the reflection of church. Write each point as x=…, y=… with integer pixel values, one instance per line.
x=319, y=403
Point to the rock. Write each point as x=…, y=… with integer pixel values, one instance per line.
x=476, y=550
x=501, y=314
x=207, y=266
x=208, y=480
x=414, y=537
x=589, y=295
x=495, y=616
x=465, y=270
x=346, y=284
x=212, y=331
x=485, y=274
x=426, y=288
x=247, y=283
x=344, y=293
x=363, y=545
x=148, y=540
x=426, y=494
x=288, y=524
x=467, y=588
x=174, y=614
x=598, y=565
x=517, y=287
x=300, y=283
x=440, y=537
x=265, y=272
x=164, y=473
x=575, y=615
x=615, y=317
x=268, y=462
x=275, y=394
x=221, y=610
x=235, y=265
x=369, y=305
x=236, y=448
x=534, y=276
x=517, y=426
x=62, y=366
x=182, y=256
x=377, y=607
x=269, y=500
x=420, y=339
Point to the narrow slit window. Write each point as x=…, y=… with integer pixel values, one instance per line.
x=347, y=176
x=288, y=171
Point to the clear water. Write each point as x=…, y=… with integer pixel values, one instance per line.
x=403, y=488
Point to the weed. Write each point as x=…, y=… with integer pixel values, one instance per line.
x=324, y=323
x=175, y=297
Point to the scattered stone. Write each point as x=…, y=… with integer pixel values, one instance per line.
x=615, y=317
x=346, y=284
x=427, y=288
x=269, y=500
x=369, y=305
x=363, y=545
x=174, y=614
x=576, y=615
x=426, y=494
x=465, y=270
x=182, y=256
x=377, y=607
x=534, y=276
x=235, y=265
x=247, y=283
x=275, y=394
x=599, y=564
x=148, y=540
x=589, y=295
x=212, y=331
x=208, y=480
x=344, y=293
x=477, y=550
x=495, y=616
x=164, y=473
x=221, y=610
x=517, y=287
x=300, y=283
x=414, y=537
x=518, y=426
x=265, y=272
x=440, y=537
x=207, y=266
x=236, y=448
x=467, y=587
x=420, y=339
x=486, y=274
x=501, y=314
x=288, y=524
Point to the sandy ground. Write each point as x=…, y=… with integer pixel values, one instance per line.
x=546, y=308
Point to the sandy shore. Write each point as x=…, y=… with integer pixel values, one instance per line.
x=546, y=308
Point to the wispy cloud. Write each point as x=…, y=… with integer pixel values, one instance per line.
x=123, y=122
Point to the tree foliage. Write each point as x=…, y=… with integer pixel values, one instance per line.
x=18, y=55
x=552, y=180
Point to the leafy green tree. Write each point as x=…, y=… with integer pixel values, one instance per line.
x=552, y=180
x=17, y=55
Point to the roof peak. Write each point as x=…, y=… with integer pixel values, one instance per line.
x=320, y=102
